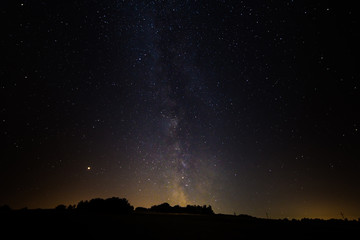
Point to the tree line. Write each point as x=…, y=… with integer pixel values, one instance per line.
x=166, y=208
x=122, y=206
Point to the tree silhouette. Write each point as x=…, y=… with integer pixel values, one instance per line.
x=192, y=209
x=110, y=205
x=61, y=207
x=5, y=208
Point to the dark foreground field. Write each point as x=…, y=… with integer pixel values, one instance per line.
x=68, y=224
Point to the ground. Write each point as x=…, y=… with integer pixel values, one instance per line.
x=52, y=223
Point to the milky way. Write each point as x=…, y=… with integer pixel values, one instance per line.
x=174, y=98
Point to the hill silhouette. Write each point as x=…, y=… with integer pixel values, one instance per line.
x=116, y=218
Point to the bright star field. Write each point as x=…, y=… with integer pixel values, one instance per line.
x=251, y=107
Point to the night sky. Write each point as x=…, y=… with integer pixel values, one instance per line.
x=249, y=106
